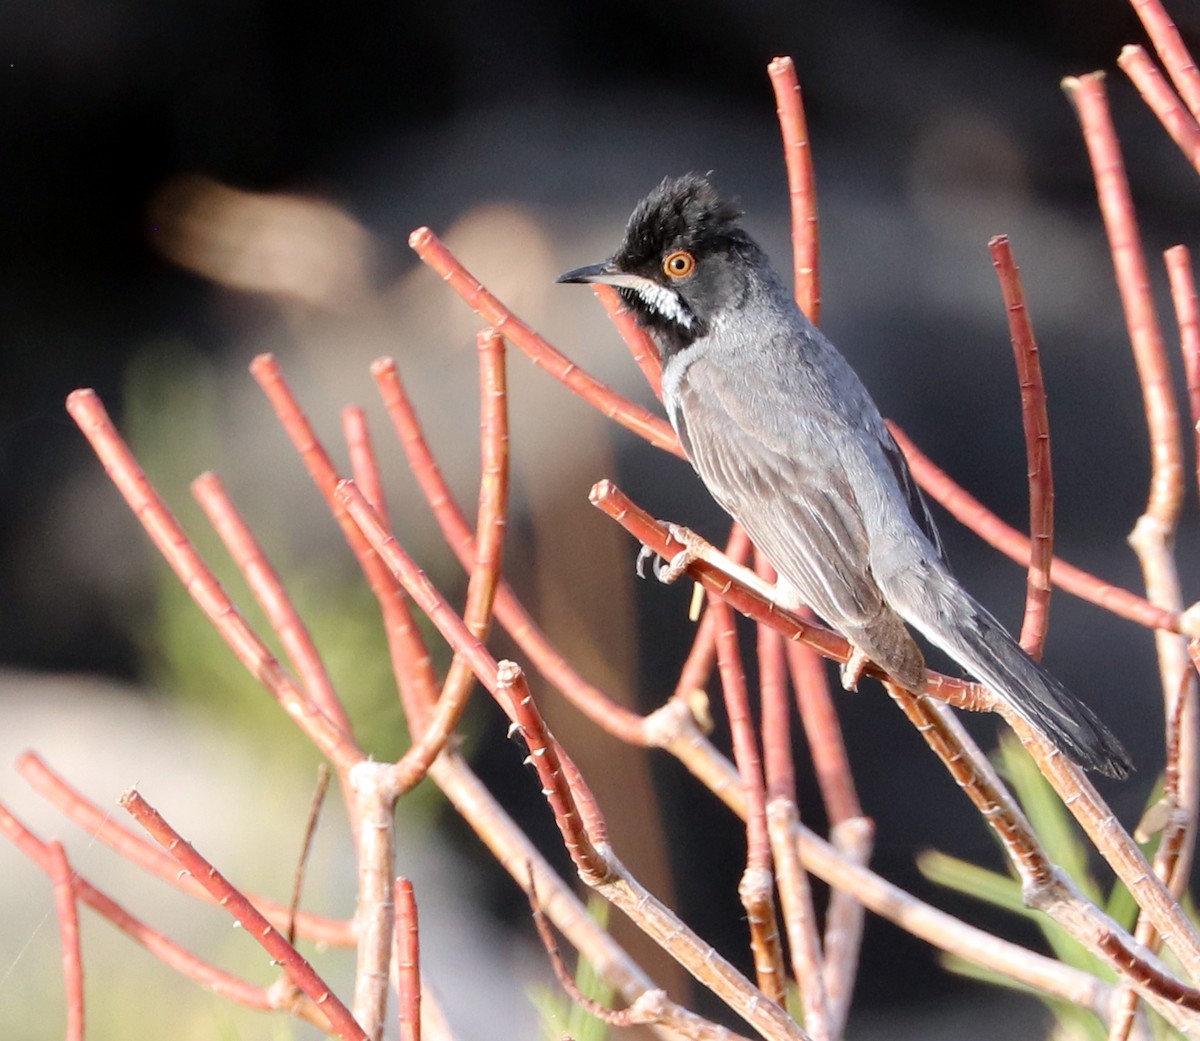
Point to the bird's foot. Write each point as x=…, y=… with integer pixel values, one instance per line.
x=852, y=669
x=668, y=571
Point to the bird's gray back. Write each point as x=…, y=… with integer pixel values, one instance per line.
x=787, y=390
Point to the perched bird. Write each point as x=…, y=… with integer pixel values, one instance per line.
x=789, y=442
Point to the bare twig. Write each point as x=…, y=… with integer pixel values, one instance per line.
x=1133, y=281
x=654, y=429
x=1037, y=448
x=310, y=830
x=755, y=888
x=589, y=699
x=779, y=769
x=557, y=788
x=1162, y=101
x=485, y=575
x=88, y=412
x=68, y=926
x=408, y=961
x=364, y=464
x=641, y=347
x=272, y=597
x=631, y=1016
x=1171, y=50
x=799, y=917
x=164, y=949
x=802, y=188
x=263, y=932
x=100, y=825
x=971, y=513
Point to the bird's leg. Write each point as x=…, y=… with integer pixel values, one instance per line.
x=852, y=668
x=696, y=548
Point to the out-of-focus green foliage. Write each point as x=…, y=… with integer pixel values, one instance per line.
x=1067, y=846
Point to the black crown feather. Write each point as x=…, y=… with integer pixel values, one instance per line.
x=681, y=213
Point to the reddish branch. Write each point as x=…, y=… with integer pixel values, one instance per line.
x=99, y=825
x=1037, y=448
x=641, y=347
x=1133, y=282
x=485, y=575
x=434, y=253
x=755, y=887
x=1162, y=101
x=364, y=464
x=1169, y=44
x=1187, y=315
x=452, y=627
x=589, y=699
x=778, y=766
x=268, y=590
x=88, y=412
x=802, y=189
x=408, y=961
x=263, y=932
x=68, y=926
x=411, y=662
x=164, y=949
x=971, y=513
x=557, y=788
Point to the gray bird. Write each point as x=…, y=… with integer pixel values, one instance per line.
x=788, y=441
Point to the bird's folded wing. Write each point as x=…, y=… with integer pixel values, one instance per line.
x=801, y=514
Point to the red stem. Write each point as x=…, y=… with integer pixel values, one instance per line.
x=823, y=733
x=545, y=657
x=272, y=597
x=741, y=726
x=972, y=514
x=408, y=961
x=68, y=926
x=1133, y=282
x=99, y=824
x=147, y=505
x=485, y=575
x=1187, y=315
x=644, y=352
x=164, y=949
x=778, y=765
x=596, y=393
x=1036, y=423
x=298, y=970
x=1171, y=50
x=544, y=755
x=364, y=464
x=1162, y=101
x=411, y=663
x=802, y=187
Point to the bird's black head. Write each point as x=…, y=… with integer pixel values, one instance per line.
x=684, y=259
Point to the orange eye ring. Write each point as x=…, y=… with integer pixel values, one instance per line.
x=679, y=264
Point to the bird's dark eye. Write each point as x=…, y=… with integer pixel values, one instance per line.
x=679, y=264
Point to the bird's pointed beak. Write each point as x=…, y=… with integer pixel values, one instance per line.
x=604, y=273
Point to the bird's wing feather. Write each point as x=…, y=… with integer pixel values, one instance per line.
x=918, y=508
x=803, y=515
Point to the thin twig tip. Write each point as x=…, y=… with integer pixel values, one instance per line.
x=259, y=362
x=600, y=491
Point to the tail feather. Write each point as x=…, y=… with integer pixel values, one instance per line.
x=935, y=604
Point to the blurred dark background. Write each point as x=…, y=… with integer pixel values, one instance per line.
x=934, y=126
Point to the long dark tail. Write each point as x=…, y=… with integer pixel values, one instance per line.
x=934, y=603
